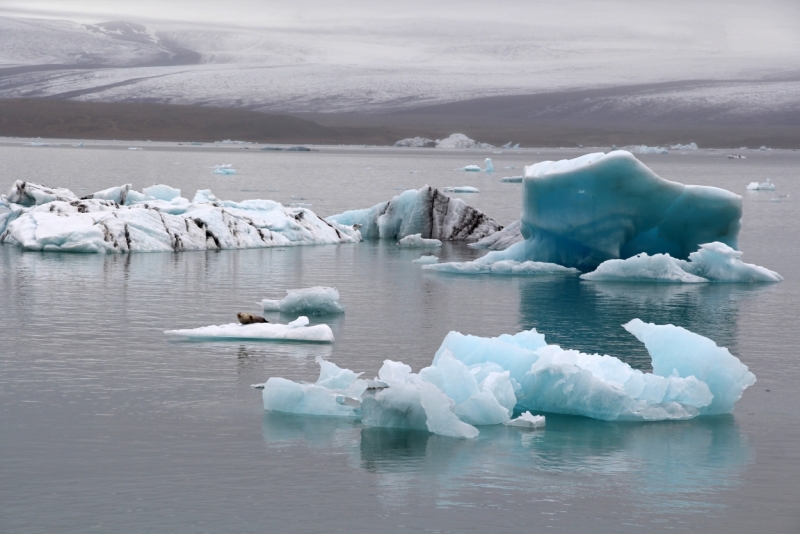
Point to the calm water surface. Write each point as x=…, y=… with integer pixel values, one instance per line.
x=107, y=426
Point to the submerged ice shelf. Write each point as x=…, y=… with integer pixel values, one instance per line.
x=475, y=381
x=120, y=219
x=426, y=211
x=297, y=330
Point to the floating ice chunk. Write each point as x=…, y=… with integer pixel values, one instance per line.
x=527, y=420
x=461, y=189
x=458, y=140
x=78, y=145
x=328, y=396
x=690, y=146
x=763, y=186
x=417, y=241
x=644, y=149
x=763, y=148
x=225, y=168
x=426, y=260
x=512, y=179
x=470, y=168
x=581, y=212
x=416, y=142
x=502, y=267
x=162, y=192
x=489, y=166
x=426, y=211
x=297, y=330
x=317, y=300
x=120, y=219
x=713, y=262
x=134, y=148
x=507, y=145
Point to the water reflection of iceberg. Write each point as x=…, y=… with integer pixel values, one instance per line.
x=668, y=466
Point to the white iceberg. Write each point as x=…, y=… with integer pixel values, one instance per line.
x=120, y=219
x=763, y=186
x=470, y=168
x=313, y=300
x=416, y=142
x=297, y=330
x=713, y=262
x=461, y=189
x=458, y=140
x=476, y=381
x=527, y=420
x=503, y=267
x=690, y=146
x=417, y=241
x=426, y=211
x=489, y=165
x=582, y=212
x=426, y=260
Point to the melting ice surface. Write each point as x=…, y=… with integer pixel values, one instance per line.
x=314, y=300
x=475, y=381
x=426, y=260
x=714, y=262
x=120, y=219
x=426, y=211
x=297, y=330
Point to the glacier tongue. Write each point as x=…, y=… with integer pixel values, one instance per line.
x=120, y=219
x=426, y=211
x=475, y=381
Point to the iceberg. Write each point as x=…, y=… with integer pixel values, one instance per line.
x=690, y=146
x=225, y=168
x=501, y=267
x=458, y=140
x=297, y=330
x=763, y=186
x=416, y=142
x=313, y=300
x=461, y=189
x=584, y=211
x=426, y=260
x=713, y=262
x=120, y=219
x=644, y=149
x=489, y=165
x=426, y=211
x=417, y=241
x=470, y=168
x=475, y=381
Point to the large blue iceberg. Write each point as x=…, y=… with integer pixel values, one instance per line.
x=475, y=381
x=582, y=212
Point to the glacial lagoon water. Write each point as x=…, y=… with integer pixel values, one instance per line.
x=106, y=425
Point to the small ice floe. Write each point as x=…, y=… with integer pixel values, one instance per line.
x=503, y=267
x=527, y=420
x=78, y=145
x=417, y=241
x=38, y=143
x=461, y=189
x=507, y=145
x=512, y=179
x=470, y=168
x=225, y=168
x=489, y=165
x=297, y=330
x=134, y=148
x=763, y=186
x=765, y=149
x=317, y=300
x=426, y=259
x=736, y=156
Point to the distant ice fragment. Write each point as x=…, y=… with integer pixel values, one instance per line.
x=297, y=330
x=458, y=140
x=512, y=179
x=416, y=142
x=644, y=149
x=426, y=211
x=763, y=186
x=225, y=168
x=134, y=148
x=470, y=168
x=417, y=241
x=426, y=260
x=690, y=146
x=527, y=420
x=489, y=165
x=461, y=189
x=317, y=300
